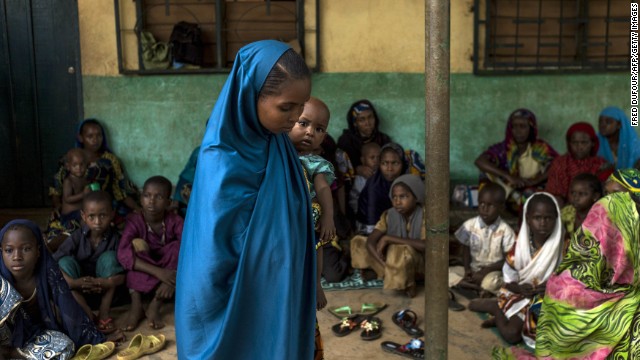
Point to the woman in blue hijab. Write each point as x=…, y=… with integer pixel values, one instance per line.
x=246, y=273
x=619, y=143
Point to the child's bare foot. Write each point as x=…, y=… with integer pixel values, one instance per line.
x=133, y=318
x=153, y=315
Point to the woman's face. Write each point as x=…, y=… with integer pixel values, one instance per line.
x=365, y=123
x=279, y=113
x=20, y=253
x=608, y=126
x=390, y=165
x=520, y=130
x=580, y=145
x=91, y=137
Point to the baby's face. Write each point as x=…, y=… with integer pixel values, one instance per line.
x=310, y=129
x=371, y=158
x=77, y=166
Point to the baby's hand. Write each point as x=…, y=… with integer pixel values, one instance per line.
x=327, y=228
x=321, y=299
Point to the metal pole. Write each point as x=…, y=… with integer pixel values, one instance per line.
x=437, y=178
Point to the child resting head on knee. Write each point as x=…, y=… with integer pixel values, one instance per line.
x=88, y=258
x=148, y=250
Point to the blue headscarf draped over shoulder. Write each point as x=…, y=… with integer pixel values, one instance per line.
x=58, y=308
x=246, y=273
x=628, y=140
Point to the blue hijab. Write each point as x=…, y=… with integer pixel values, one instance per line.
x=628, y=141
x=246, y=272
x=104, y=146
x=58, y=308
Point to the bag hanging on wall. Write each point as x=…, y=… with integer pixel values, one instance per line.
x=155, y=54
x=186, y=43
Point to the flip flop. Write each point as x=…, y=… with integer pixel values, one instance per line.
x=370, y=309
x=371, y=328
x=347, y=325
x=453, y=304
x=406, y=320
x=341, y=312
x=414, y=349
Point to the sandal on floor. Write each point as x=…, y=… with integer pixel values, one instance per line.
x=341, y=312
x=453, y=304
x=347, y=325
x=141, y=345
x=414, y=349
x=95, y=352
x=83, y=352
x=406, y=320
x=371, y=309
x=371, y=328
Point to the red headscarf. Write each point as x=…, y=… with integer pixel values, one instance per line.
x=587, y=129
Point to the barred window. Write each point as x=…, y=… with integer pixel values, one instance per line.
x=224, y=27
x=551, y=36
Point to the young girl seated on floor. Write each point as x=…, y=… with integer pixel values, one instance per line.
x=529, y=264
x=40, y=318
x=88, y=258
x=148, y=250
x=395, y=248
x=584, y=191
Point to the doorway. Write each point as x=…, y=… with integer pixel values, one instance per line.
x=40, y=95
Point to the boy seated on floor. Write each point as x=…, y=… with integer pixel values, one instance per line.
x=395, y=248
x=88, y=257
x=486, y=239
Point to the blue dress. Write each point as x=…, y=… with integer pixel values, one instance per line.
x=246, y=272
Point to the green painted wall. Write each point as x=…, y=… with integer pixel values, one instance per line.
x=154, y=122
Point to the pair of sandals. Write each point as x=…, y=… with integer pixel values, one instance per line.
x=371, y=327
x=366, y=309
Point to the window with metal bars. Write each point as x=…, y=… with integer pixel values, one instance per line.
x=551, y=36
x=225, y=25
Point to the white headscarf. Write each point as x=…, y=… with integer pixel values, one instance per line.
x=538, y=269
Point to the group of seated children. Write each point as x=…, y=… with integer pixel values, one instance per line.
x=54, y=293
x=513, y=271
